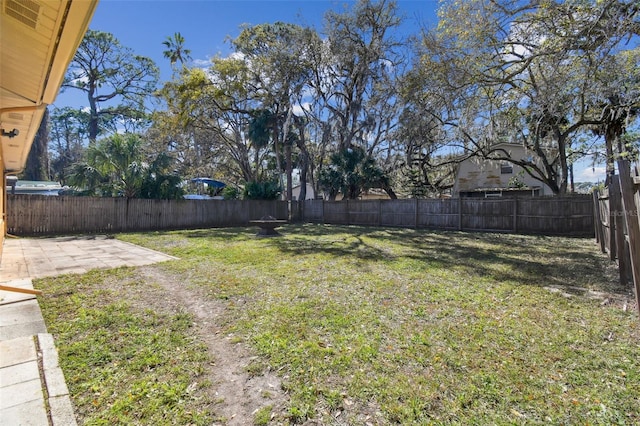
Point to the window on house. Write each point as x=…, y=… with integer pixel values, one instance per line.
x=506, y=169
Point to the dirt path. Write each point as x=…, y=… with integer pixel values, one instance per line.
x=236, y=394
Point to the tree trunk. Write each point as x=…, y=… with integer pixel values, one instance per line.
x=289, y=171
x=390, y=192
x=609, y=138
x=303, y=176
x=93, y=117
x=276, y=150
x=304, y=164
x=37, y=167
x=573, y=185
x=564, y=167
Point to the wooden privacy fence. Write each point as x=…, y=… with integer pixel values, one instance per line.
x=553, y=216
x=33, y=215
x=617, y=219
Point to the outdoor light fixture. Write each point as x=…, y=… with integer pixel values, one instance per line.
x=11, y=134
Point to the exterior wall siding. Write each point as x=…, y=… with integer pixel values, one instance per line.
x=476, y=173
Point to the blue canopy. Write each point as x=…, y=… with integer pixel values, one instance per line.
x=209, y=182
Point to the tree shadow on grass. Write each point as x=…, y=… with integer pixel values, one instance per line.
x=523, y=259
x=526, y=259
x=248, y=232
x=239, y=233
x=236, y=233
x=337, y=241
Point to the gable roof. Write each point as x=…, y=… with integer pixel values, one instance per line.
x=38, y=39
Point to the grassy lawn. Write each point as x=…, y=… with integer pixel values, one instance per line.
x=124, y=363
x=386, y=326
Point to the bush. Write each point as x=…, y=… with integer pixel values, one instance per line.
x=265, y=190
x=231, y=193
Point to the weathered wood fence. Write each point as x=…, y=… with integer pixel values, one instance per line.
x=617, y=219
x=33, y=215
x=553, y=216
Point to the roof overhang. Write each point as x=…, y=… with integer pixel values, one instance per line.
x=38, y=39
x=210, y=182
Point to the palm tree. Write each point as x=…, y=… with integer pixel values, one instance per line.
x=175, y=49
x=116, y=166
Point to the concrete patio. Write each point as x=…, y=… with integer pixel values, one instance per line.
x=33, y=390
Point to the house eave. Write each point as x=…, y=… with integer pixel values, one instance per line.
x=34, y=56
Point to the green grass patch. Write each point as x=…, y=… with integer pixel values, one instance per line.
x=400, y=326
x=124, y=364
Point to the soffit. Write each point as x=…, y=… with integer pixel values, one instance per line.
x=38, y=39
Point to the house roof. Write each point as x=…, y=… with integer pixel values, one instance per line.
x=506, y=188
x=209, y=182
x=38, y=39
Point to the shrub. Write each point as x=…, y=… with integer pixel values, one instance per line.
x=262, y=190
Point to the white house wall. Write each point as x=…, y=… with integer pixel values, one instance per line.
x=310, y=192
x=476, y=173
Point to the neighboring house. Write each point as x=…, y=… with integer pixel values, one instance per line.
x=375, y=194
x=311, y=194
x=33, y=187
x=478, y=177
x=39, y=40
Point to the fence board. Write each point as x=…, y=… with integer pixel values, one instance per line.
x=487, y=214
x=42, y=215
x=559, y=216
x=313, y=210
x=335, y=212
x=618, y=220
x=438, y=214
x=35, y=215
x=365, y=213
x=632, y=220
x=397, y=213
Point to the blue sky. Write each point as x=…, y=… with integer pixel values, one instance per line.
x=143, y=25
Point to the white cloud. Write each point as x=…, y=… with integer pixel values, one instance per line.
x=299, y=109
x=202, y=63
x=591, y=174
x=522, y=40
x=237, y=55
x=82, y=80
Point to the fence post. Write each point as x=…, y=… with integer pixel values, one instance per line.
x=617, y=222
x=348, y=213
x=379, y=213
x=126, y=214
x=630, y=210
x=459, y=213
x=612, y=220
x=597, y=218
x=594, y=196
x=515, y=214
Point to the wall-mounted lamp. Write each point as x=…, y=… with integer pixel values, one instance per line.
x=10, y=134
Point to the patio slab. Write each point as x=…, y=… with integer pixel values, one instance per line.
x=33, y=390
x=43, y=257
